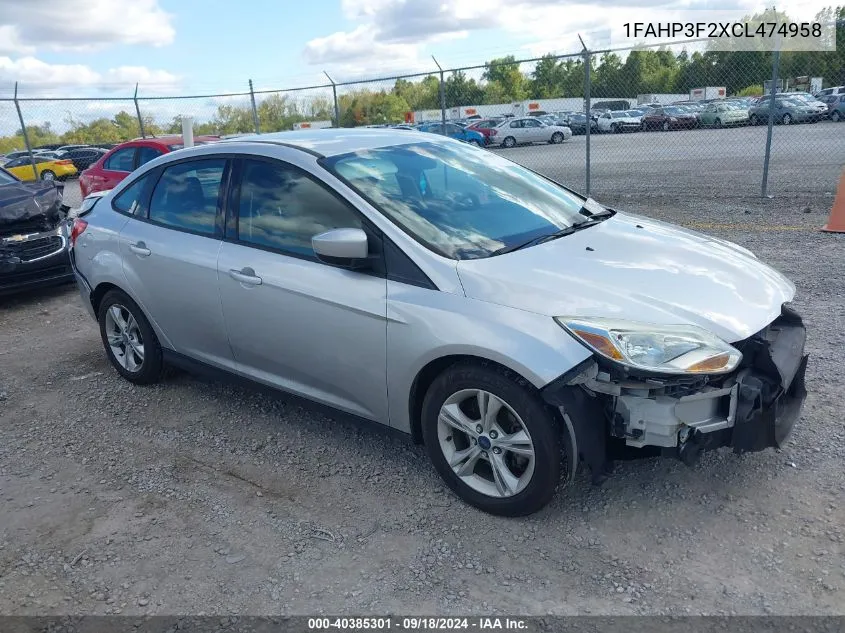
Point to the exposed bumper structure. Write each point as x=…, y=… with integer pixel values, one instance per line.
x=752, y=409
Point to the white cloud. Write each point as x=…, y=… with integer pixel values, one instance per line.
x=38, y=78
x=81, y=24
x=397, y=34
x=355, y=53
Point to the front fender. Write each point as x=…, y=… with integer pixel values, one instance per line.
x=425, y=325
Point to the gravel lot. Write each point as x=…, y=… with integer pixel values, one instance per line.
x=197, y=497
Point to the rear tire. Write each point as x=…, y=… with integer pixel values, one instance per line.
x=509, y=141
x=753, y=119
x=835, y=116
x=493, y=477
x=48, y=175
x=129, y=340
x=717, y=123
x=786, y=120
x=666, y=126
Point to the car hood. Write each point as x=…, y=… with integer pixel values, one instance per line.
x=29, y=207
x=636, y=269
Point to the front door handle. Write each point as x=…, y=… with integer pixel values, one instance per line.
x=140, y=249
x=245, y=276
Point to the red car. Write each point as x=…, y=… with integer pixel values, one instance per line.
x=486, y=127
x=120, y=161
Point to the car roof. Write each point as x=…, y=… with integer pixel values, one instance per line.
x=333, y=141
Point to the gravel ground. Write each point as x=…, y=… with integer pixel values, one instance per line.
x=197, y=497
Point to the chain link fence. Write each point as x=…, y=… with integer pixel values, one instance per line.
x=652, y=122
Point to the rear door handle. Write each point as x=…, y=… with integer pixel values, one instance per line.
x=245, y=276
x=140, y=249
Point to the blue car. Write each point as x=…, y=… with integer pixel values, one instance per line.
x=455, y=131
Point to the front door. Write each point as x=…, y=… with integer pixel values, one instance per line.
x=294, y=322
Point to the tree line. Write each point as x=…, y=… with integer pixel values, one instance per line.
x=502, y=80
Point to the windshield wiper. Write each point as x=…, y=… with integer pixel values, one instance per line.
x=540, y=239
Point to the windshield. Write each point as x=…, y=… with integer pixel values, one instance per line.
x=6, y=179
x=463, y=202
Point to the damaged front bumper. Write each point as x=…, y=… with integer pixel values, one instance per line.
x=610, y=413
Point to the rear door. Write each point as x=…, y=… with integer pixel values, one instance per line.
x=169, y=250
x=294, y=322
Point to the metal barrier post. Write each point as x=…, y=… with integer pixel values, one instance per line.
x=775, y=65
x=587, y=126
x=138, y=112
x=334, y=97
x=25, y=135
x=442, y=94
x=254, y=109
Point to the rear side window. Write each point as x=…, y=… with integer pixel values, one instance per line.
x=187, y=194
x=146, y=154
x=121, y=160
x=282, y=208
x=129, y=200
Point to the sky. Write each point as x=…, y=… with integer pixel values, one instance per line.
x=169, y=47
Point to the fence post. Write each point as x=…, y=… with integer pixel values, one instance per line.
x=25, y=135
x=775, y=66
x=138, y=112
x=442, y=94
x=334, y=96
x=589, y=120
x=254, y=110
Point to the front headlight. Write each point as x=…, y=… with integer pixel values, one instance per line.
x=666, y=349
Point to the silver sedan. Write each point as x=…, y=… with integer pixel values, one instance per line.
x=513, y=326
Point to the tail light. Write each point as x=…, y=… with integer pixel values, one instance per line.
x=79, y=226
x=64, y=161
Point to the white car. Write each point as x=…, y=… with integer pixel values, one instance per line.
x=528, y=130
x=619, y=121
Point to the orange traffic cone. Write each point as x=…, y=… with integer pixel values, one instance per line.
x=836, y=221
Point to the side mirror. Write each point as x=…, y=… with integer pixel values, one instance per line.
x=345, y=248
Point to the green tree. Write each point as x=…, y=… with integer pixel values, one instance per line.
x=460, y=91
x=547, y=78
x=505, y=72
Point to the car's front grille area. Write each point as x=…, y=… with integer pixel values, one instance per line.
x=30, y=250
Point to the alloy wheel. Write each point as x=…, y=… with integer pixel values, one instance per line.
x=124, y=338
x=485, y=443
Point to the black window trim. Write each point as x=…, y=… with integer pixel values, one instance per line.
x=155, y=176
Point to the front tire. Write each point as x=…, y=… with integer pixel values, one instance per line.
x=786, y=120
x=557, y=137
x=666, y=126
x=835, y=116
x=754, y=120
x=492, y=439
x=130, y=342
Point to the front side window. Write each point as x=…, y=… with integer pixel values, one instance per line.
x=463, y=202
x=282, y=208
x=186, y=196
x=121, y=160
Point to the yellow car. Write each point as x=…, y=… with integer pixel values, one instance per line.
x=48, y=168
